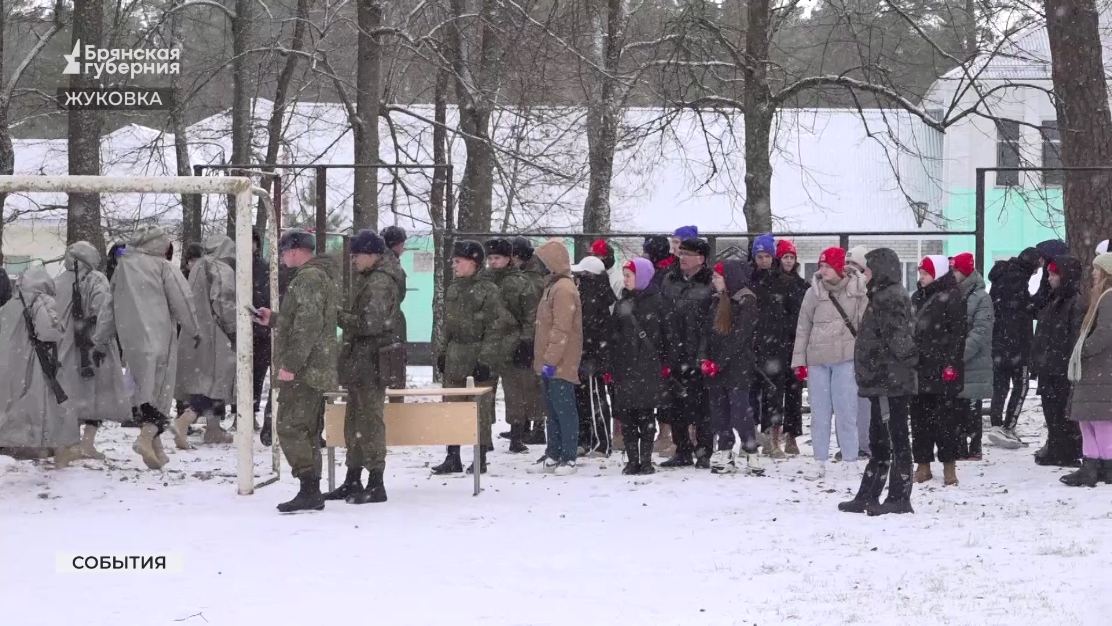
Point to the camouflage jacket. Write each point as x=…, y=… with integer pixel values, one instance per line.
x=521, y=297
x=306, y=340
x=369, y=323
x=401, y=333
x=477, y=328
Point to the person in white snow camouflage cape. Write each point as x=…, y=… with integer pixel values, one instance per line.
x=150, y=299
x=30, y=414
x=92, y=376
x=207, y=371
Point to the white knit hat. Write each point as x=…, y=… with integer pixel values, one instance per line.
x=939, y=265
x=856, y=256
x=1102, y=247
x=1104, y=262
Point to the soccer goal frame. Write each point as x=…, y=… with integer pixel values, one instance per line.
x=243, y=190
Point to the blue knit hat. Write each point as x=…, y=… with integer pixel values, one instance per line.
x=765, y=243
x=686, y=232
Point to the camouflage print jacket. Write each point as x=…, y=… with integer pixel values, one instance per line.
x=306, y=340
x=477, y=328
x=521, y=297
x=369, y=323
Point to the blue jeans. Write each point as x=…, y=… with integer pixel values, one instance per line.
x=833, y=389
x=563, y=420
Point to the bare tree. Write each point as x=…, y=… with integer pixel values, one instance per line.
x=365, y=124
x=83, y=221
x=242, y=31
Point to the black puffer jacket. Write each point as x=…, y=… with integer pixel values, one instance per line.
x=689, y=302
x=1014, y=309
x=778, y=314
x=940, y=328
x=1048, y=251
x=1059, y=322
x=634, y=361
x=797, y=289
x=597, y=297
x=884, y=355
x=733, y=352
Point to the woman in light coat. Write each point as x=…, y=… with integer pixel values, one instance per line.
x=823, y=355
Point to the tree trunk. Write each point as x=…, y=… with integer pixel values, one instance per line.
x=83, y=221
x=603, y=111
x=368, y=77
x=438, y=209
x=1084, y=120
x=278, y=114
x=241, y=96
x=190, y=203
x=7, y=152
x=759, y=113
x=477, y=188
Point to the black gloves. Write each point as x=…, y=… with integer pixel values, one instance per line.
x=523, y=355
x=482, y=372
x=99, y=356
x=440, y=364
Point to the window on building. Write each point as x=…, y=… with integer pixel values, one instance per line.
x=1052, y=153
x=1007, y=152
x=810, y=269
x=16, y=264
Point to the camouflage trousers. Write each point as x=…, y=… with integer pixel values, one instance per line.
x=300, y=420
x=522, y=390
x=365, y=428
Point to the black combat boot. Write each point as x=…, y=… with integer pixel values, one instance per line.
x=872, y=485
x=648, y=438
x=682, y=459
x=1087, y=476
x=374, y=493
x=535, y=437
x=482, y=463
x=353, y=483
x=517, y=433
x=633, y=458
x=452, y=463
x=308, y=498
x=899, y=496
x=266, y=436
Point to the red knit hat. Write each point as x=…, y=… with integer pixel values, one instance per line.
x=783, y=246
x=963, y=263
x=935, y=264
x=834, y=257
x=630, y=266
x=1052, y=268
x=720, y=268
x=600, y=248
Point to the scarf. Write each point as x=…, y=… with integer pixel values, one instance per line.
x=1074, y=372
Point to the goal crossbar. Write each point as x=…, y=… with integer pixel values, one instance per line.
x=243, y=189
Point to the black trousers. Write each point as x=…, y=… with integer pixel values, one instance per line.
x=793, y=407
x=971, y=426
x=1063, y=436
x=638, y=431
x=690, y=407
x=260, y=365
x=730, y=411
x=889, y=443
x=594, y=423
x=1008, y=377
x=935, y=422
x=766, y=397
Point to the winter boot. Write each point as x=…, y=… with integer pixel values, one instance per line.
x=923, y=473
x=517, y=434
x=482, y=464
x=648, y=434
x=1087, y=476
x=1106, y=471
x=214, y=432
x=88, y=443
x=681, y=459
x=309, y=498
x=890, y=505
x=774, y=450
x=353, y=483
x=452, y=463
x=159, y=451
x=65, y=455
x=144, y=446
x=702, y=458
x=790, y=445
x=899, y=496
x=181, y=429
x=872, y=485
x=535, y=437
x=373, y=494
x=633, y=458
x=950, y=474
x=266, y=436
x=663, y=444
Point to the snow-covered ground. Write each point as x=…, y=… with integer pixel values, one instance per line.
x=1010, y=545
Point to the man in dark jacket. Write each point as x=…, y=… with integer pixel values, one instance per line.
x=597, y=298
x=1057, y=331
x=1012, y=331
x=688, y=296
x=884, y=361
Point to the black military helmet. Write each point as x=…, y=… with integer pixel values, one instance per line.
x=522, y=248
x=499, y=246
x=393, y=235
x=295, y=238
x=469, y=249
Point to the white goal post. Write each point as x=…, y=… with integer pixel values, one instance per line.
x=243, y=189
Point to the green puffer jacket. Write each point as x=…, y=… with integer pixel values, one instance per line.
x=980, y=317
x=477, y=328
x=369, y=323
x=521, y=297
x=307, y=324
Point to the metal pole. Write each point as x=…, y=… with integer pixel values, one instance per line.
x=843, y=242
x=979, y=254
x=245, y=433
x=275, y=233
x=322, y=214
x=476, y=463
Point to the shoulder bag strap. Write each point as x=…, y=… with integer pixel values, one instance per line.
x=845, y=318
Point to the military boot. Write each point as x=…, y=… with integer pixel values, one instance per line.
x=482, y=463
x=374, y=493
x=1087, y=476
x=266, y=436
x=214, y=432
x=791, y=447
x=181, y=429
x=309, y=498
x=144, y=446
x=65, y=455
x=872, y=485
x=535, y=437
x=517, y=434
x=899, y=496
x=633, y=456
x=88, y=443
x=159, y=451
x=353, y=484
x=648, y=435
x=452, y=463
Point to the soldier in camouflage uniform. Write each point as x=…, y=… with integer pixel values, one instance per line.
x=536, y=272
x=479, y=338
x=306, y=360
x=395, y=238
x=520, y=384
x=368, y=325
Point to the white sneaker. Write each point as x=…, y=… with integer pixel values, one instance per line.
x=565, y=469
x=1005, y=438
x=817, y=471
x=547, y=466
x=753, y=464
x=723, y=462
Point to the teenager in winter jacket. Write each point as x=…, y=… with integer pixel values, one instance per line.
x=726, y=359
x=884, y=361
x=1012, y=332
x=636, y=363
x=823, y=356
x=1048, y=250
x=940, y=329
x=855, y=264
x=1055, y=335
x=591, y=396
x=793, y=387
x=658, y=251
x=1090, y=371
x=979, y=319
x=603, y=251
x=688, y=295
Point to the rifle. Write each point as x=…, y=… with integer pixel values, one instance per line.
x=82, y=325
x=47, y=353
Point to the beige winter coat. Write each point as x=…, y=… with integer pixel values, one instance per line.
x=821, y=336
x=558, y=339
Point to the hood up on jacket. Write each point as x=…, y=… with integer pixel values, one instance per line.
x=1052, y=248
x=1071, y=271
x=885, y=265
x=555, y=257
x=83, y=253
x=151, y=240
x=34, y=281
x=221, y=248
x=737, y=275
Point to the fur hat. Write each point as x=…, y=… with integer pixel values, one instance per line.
x=295, y=238
x=522, y=248
x=469, y=249
x=393, y=235
x=367, y=241
x=499, y=246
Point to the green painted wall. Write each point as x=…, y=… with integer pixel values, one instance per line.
x=1014, y=220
